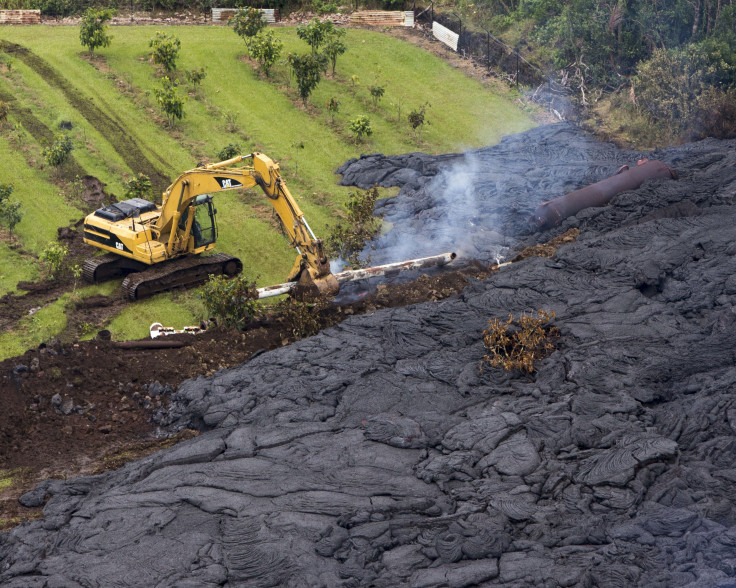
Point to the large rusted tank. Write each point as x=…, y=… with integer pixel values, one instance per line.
x=553, y=212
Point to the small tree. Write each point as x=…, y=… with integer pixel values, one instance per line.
x=11, y=215
x=315, y=33
x=165, y=50
x=4, y=111
x=194, y=77
x=10, y=212
x=333, y=106
x=168, y=98
x=377, y=89
x=53, y=257
x=76, y=271
x=266, y=49
x=247, y=23
x=228, y=151
x=18, y=134
x=231, y=121
x=307, y=70
x=417, y=120
x=349, y=239
x=234, y=301
x=138, y=187
x=298, y=145
x=335, y=46
x=5, y=191
x=92, y=29
x=360, y=127
x=398, y=105
x=377, y=93
x=59, y=151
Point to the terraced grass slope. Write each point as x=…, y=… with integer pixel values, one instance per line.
x=118, y=130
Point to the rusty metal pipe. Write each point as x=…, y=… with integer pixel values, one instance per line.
x=389, y=270
x=553, y=212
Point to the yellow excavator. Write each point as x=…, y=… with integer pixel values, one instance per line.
x=159, y=247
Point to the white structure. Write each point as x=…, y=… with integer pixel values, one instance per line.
x=222, y=15
x=445, y=35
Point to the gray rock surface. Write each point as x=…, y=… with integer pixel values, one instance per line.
x=377, y=453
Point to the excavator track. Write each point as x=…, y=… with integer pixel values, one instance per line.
x=108, y=267
x=188, y=271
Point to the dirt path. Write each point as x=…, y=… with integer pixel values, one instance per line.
x=42, y=134
x=113, y=130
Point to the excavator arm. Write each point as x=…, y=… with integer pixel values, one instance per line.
x=312, y=258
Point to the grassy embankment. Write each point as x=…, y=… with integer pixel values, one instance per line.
x=235, y=104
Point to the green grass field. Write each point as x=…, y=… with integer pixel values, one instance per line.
x=235, y=104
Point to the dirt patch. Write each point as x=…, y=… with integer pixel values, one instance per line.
x=94, y=191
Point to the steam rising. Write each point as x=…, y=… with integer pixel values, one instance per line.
x=478, y=203
x=453, y=217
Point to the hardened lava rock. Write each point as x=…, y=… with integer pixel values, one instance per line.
x=378, y=453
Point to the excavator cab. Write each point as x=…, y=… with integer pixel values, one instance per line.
x=204, y=227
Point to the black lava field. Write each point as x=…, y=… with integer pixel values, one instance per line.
x=377, y=453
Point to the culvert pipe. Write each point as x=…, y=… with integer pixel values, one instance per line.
x=553, y=212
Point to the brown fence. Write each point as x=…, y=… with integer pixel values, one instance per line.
x=386, y=18
x=20, y=17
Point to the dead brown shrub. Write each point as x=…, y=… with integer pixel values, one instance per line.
x=519, y=344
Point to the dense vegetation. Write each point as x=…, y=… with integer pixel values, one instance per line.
x=670, y=65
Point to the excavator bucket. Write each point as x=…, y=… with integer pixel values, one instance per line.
x=309, y=288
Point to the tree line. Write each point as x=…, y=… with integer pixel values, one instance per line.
x=62, y=8
x=672, y=61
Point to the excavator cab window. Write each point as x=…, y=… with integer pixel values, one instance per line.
x=204, y=229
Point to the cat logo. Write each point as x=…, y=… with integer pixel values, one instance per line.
x=119, y=245
x=227, y=183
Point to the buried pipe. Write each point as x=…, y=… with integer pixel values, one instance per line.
x=146, y=344
x=389, y=270
x=553, y=212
